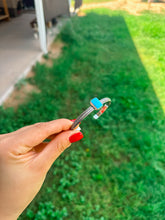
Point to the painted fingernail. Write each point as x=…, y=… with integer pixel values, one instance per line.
x=73, y=120
x=76, y=137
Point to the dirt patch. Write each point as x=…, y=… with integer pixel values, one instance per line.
x=19, y=96
x=30, y=74
x=48, y=62
x=56, y=49
x=132, y=6
x=81, y=13
x=54, y=52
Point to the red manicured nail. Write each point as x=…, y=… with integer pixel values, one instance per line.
x=76, y=137
x=73, y=120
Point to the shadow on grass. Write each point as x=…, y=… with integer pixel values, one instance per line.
x=119, y=166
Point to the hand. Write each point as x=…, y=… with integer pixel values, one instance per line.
x=25, y=160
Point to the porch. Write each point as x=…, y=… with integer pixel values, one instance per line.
x=19, y=50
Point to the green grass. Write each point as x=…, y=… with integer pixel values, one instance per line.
x=118, y=170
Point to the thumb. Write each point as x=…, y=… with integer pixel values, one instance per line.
x=53, y=150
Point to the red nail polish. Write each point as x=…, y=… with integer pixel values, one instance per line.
x=73, y=120
x=76, y=137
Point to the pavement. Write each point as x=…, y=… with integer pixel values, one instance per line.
x=19, y=51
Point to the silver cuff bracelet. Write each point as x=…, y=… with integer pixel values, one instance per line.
x=96, y=104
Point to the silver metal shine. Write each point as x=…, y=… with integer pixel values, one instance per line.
x=88, y=111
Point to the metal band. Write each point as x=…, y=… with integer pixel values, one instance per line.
x=88, y=111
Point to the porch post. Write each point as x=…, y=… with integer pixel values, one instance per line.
x=41, y=24
x=69, y=3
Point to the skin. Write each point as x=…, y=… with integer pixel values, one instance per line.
x=25, y=160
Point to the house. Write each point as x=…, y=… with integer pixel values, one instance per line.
x=19, y=50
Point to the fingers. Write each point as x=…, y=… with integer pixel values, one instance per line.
x=33, y=135
x=31, y=138
x=53, y=150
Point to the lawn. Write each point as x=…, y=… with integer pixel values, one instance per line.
x=117, y=170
